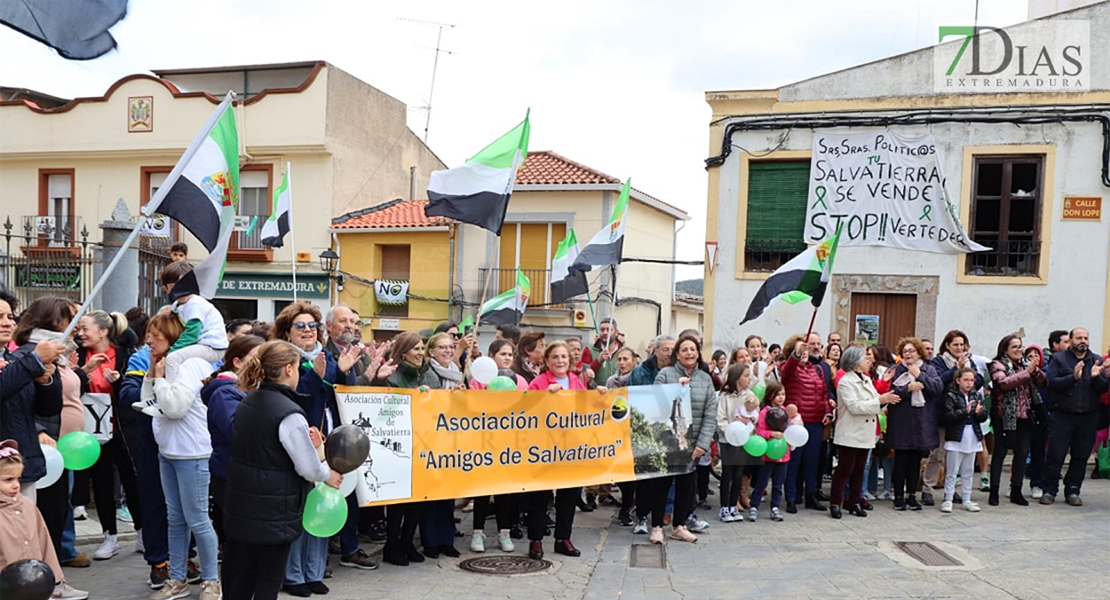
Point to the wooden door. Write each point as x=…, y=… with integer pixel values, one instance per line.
x=896, y=313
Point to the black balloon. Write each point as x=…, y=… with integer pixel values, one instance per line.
x=776, y=419
x=27, y=579
x=346, y=448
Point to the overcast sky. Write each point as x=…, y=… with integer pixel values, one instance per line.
x=618, y=86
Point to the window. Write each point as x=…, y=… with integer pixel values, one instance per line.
x=395, y=265
x=1006, y=206
x=54, y=224
x=529, y=246
x=158, y=231
x=777, y=192
x=254, y=203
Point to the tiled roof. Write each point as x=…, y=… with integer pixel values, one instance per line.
x=544, y=167
x=391, y=215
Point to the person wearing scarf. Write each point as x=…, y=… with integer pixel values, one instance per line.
x=1015, y=381
x=437, y=524
x=912, y=422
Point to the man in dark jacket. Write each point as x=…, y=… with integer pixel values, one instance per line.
x=1077, y=379
x=342, y=324
x=1058, y=342
x=645, y=372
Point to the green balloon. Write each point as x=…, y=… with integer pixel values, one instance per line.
x=79, y=450
x=759, y=389
x=756, y=445
x=776, y=448
x=882, y=422
x=325, y=511
x=501, y=383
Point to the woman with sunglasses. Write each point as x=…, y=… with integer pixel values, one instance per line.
x=302, y=325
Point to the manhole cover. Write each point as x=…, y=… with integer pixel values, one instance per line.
x=928, y=554
x=504, y=565
x=647, y=556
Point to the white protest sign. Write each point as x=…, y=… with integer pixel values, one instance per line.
x=886, y=189
x=391, y=291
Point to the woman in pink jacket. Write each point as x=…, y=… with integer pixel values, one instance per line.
x=555, y=376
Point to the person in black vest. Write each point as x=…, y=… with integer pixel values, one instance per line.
x=272, y=467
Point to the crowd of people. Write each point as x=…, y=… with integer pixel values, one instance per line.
x=216, y=434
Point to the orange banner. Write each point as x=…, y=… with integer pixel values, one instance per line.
x=441, y=444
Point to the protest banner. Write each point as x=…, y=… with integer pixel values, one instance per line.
x=886, y=189
x=443, y=444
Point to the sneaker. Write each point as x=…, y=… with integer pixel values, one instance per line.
x=139, y=546
x=81, y=561
x=753, y=514
x=142, y=406
x=468, y=507
x=886, y=495
x=970, y=506
x=1074, y=500
x=192, y=571
x=360, y=560
x=927, y=499
x=123, y=514
x=946, y=506
x=211, y=590
x=625, y=519
x=64, y=590
x=107, y=549
x=912, y=504
x=478, y=542
x=1037, y=493
x=869, y=496
x=725, y=515
x=899, y=504
x=695, y=524
x=984, y=483
x=505, y=541
x=79, y=513
x=611, y=501
x=683, y=534
x=641, y=526
x=957, y=498
x=775, y=514
x=159, y=575
x=656, y=535
x=1048, y=499
x=736, y=516
x=173, y=590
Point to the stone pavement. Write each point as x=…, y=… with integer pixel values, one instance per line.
x=1031, y=553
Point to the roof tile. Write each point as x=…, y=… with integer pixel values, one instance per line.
x=546, y=168
x=391, y=215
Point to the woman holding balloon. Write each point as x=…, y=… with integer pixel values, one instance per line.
x=769, y=442
x=273, y=462
x=737, y=411
x=857, y=426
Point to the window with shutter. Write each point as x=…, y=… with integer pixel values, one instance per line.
x=777, y=192
x=529, y=246
x=395, y=265
x=1006, y=215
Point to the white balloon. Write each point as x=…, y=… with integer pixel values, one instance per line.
x=55, y=464
x=737, y=433
x=483, y=370
x=796, y=435
x=350, y=480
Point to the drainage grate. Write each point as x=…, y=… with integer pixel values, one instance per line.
x=648, y=556
x=928, y=554
x=504, y=565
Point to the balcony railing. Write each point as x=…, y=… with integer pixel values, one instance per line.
x=768, y=255
x=1013, y=258
x=502, y=280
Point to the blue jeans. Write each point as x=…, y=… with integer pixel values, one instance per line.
x=773, y=472
x=68, y=543
x=155, y=527
x=437, y=524
x=307, y=558
x=185, y=484
x=348, y=536
x=808, y=456
x=1069, y=433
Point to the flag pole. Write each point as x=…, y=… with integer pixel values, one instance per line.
x=811, y=321
x=590, y=302
x=292, y=230
x=151, y=207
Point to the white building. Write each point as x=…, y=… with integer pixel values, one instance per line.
x=1027, y=169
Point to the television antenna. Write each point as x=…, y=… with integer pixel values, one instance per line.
x=435, y=63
